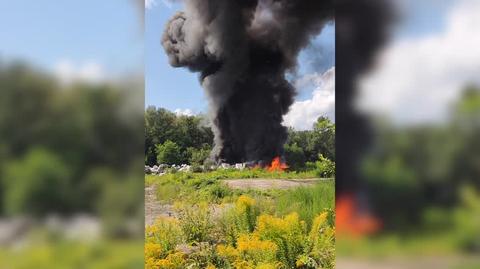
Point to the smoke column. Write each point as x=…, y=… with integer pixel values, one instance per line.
x=243, y=50
x=362, y=28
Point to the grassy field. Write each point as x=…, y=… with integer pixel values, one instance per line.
x=214, y=226
x=61, y=253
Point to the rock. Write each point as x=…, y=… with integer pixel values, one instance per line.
x=240, y=166
x=185, y=168
x=148, y=170
x=225, y=166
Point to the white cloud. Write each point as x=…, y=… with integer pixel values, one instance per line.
x=68, y=72
x=183, y=112
x=417, y=79
x=150, y=4
x=303, y=114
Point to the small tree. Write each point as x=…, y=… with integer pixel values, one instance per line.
x=37, y=184
x=168, y=153
x=325, y=167
x=295, y=156
x=198, y=156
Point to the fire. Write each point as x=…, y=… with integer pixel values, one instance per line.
x=352, y=222
x=277, y=165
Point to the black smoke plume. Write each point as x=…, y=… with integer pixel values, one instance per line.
x=243, y=50
x=362, y=28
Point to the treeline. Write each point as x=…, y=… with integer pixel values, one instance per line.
x=178, y=139
x=69, y=148
x=413, y=170
x=175, y=139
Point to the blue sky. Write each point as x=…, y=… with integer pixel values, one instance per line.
x=166, y=86
x=44, y=32
x=177, y=88
x=422, y=17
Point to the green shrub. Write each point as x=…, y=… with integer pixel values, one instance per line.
x=218, y=192
x=195, y=222
x=295, y=157
x=325, y=167
x=287, y=233
x=165, y=233
x=308, y=202
x=198, y=156
x=38, y=184
x=240, y=219
x=168, y=153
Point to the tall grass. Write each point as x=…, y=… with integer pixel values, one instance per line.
x=308, y=202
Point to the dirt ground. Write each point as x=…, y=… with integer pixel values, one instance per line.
x=266, y=184
x=154, y=209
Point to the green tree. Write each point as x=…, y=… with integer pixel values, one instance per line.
x=169, y=153
x=295, y=157
x=37, y=184
x=198, y=156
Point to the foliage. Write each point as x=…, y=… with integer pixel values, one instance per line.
x=320, y=140
x=194, y=139
x=186, y=131
x=308, y=202
x=208, y=186
x=324, y=167
x=60, y=142
x=112, y=254
x=165, y=234
x=424, y=165
x=36, y=184
x=295, y=157
x=259, y=240
x=198, y=156
x=195, y=222
x=241, y=220
x=168, y=153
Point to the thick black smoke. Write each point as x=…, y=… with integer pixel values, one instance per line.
x=362, y=28
x=242, y=50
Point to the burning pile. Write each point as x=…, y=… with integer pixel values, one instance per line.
x=277, y=165
x=242, y=50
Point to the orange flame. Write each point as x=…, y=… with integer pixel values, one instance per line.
x=351, y=222
x=277, y=165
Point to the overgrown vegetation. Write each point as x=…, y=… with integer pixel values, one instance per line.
x=245, y=235
x=415, y=168
x=67, y=148
x=61, y=254
x=208, y=186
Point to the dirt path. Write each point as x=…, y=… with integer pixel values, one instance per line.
x=266, y=184
x=154, y=209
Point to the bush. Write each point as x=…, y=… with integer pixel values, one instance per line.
x=198, y=156
x=195, y=222
x=250, y=252
x=295, y=157
x=37, y=184
x=162, y=237
x=264, y=241
x=325, y=167
x=308, y=202
x=168, y=153
x=321, y=240
x=239, y=220
x=287, y=233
